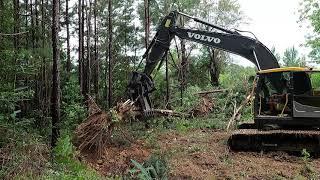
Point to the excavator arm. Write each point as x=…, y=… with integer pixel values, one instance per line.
x=141, y=83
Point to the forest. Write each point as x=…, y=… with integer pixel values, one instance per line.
x=63, y=61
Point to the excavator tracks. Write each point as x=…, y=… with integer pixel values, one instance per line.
x=275, y=140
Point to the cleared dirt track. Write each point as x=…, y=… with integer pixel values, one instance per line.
x=204, y=154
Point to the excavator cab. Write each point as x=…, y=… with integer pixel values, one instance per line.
x=287, y=98
x=286, y=112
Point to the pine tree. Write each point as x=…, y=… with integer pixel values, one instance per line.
x=55, y=96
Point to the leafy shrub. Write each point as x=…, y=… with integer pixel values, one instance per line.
x=305, y=155
x=73, y=111
x=154, y=168
x=66, y=166
x=315, y=80
x=189, y=99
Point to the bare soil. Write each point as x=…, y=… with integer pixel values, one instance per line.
x=204, y=154
x=116, y=160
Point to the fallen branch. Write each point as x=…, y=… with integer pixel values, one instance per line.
x=236, y=114
x=211, y=92
x=166, y=112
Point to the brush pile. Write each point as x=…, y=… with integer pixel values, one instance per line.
x=204, y=107
x=96, y=131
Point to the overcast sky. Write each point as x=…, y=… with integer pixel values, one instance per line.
x=274, y=22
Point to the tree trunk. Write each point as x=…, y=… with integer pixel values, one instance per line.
x=83, y=85
x=16, y=24
x=68, y=40
x=36, y=35
x=96, y=63
x=88, y=64
x=167, y=83
x=110, y=62
x=214, y=67
x=37, y=94
x=44, y=89
x=146, y=22
x=183, y=69
x=32, y=25
x=26, y=24
x=80, y=60
x=55, y=96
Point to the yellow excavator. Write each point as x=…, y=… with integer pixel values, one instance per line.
x=286, y=103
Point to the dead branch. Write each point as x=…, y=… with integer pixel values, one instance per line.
x=166, y=112
x=211, y=92
x=237, y=113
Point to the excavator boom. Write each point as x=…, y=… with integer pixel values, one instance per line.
x=226, y=40
x=141, y=84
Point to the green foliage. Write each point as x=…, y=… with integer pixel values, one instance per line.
x=291, y=58
x=238, y=80
x=315, y=80
x=64, y=151
x=183, y=125
x=151, y=140
x=73, y=110
x=307, y=169
x=213, y=121
x=275, y=53
x=10, y=99
x=189, y=99
x=199, y=71
x=24, y=156
x=66, y=166
x=310, y=13
x=305, y=155
x=154, y=168
x=13, y=92
x=25, y=81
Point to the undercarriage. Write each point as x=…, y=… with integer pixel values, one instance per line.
x=275, y=140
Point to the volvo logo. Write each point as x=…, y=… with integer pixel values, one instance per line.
x=203, y=37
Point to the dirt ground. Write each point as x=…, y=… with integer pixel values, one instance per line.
x=204, y=154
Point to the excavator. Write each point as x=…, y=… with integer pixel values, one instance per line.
x=286, y=104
